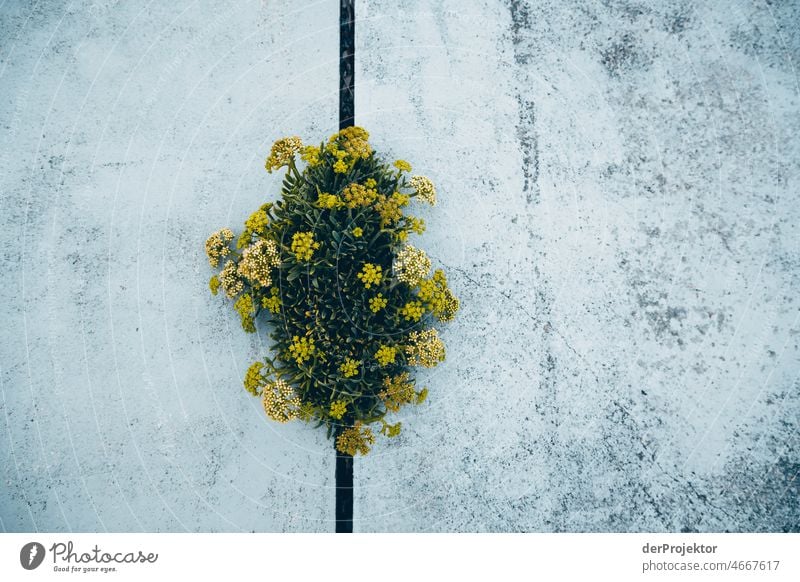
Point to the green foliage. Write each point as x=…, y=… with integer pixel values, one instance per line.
x=320, y=266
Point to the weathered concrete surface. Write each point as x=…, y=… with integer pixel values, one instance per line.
x=619, y=203
x=619, y=213
x=131, y=131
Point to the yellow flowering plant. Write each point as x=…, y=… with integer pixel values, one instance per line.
x=348, y=304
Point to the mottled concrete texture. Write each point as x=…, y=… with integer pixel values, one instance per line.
x=618, y=187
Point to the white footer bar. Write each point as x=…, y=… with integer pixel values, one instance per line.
x=388, y=557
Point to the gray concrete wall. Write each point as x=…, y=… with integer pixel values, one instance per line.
x=618, y=188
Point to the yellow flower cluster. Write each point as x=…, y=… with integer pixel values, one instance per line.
x=244, y=239
x=390, y=430
x=397, y=391
x=438, y=296
x=416, y=225
x=370, y=275
x=358, y=232
x=254, y=379
x=246, y=310
x=310, y=155
x=354, y=142
x=341, y=165
x=214, y=284
x=280, y=401
x=413, y=311
x=257, y=222
x=386, y=355
x=230, y=280
x=257, y=262
x=425, y=348
x=282, y=153
x=217, y=245
x=357, y=195
x=330, y=201
x=402, y=165
x=350, y=367
x=301, y=348
x=338, y=409
x=273, y=302
x=377, y=303
x=411, y=265
x=303, y=245
x=424, y=188
x=390, y=208
x=355, y=440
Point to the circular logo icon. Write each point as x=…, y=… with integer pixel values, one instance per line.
x=31, y=555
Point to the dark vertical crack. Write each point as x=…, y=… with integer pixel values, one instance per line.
x=347, y=81
x=344, y=493
x=347, y=63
